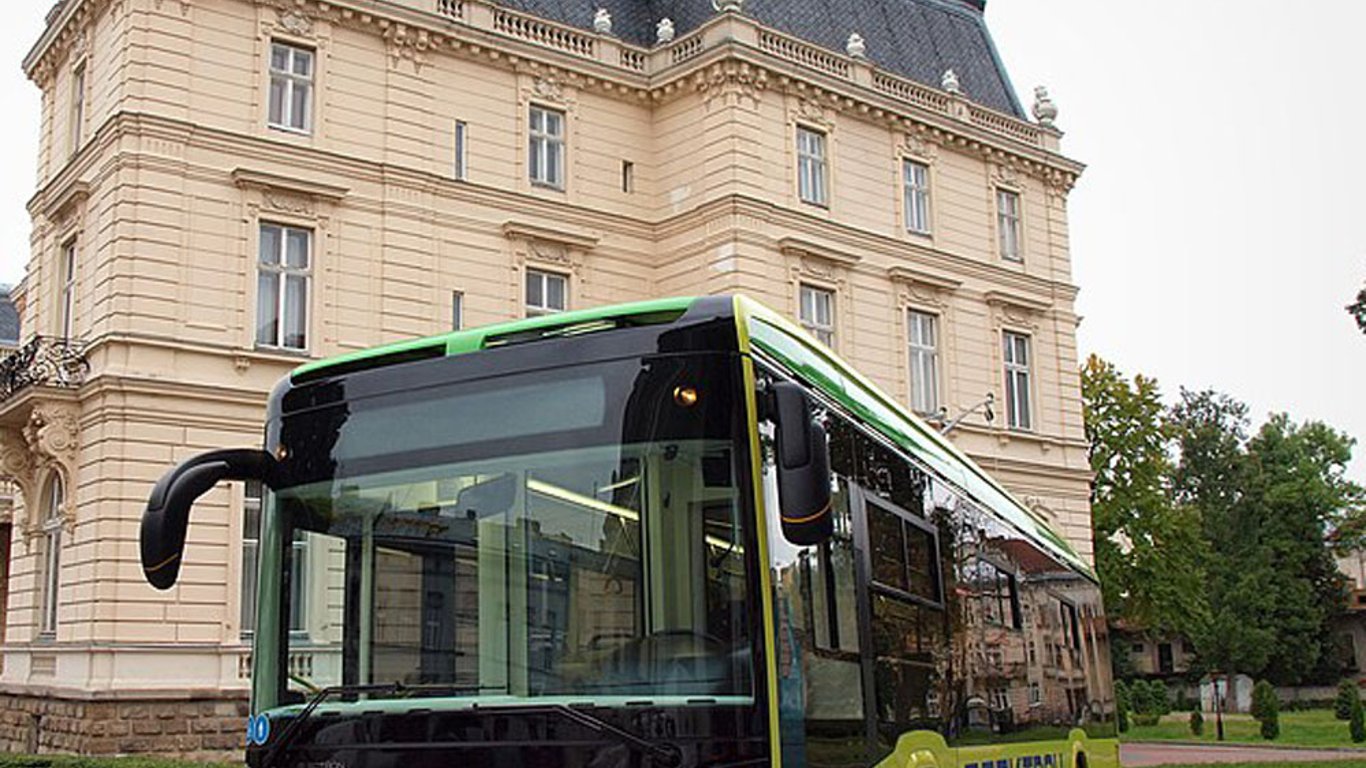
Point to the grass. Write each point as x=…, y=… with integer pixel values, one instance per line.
x=1310, y=728
x=1315, y=764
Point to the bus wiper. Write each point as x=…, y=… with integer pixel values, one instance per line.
x=296, y=725
x=664, y=753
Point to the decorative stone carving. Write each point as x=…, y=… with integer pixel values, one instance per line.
x=47, y=443
x=728, y=6
x=287, y=203
x=549, y=88
x=295, y=23
x=917, y=145
x=664, y=30
x=731, y=79
x=405, y=44
x=855, y=46
x=949, y=82
x=602, y=22
x=52, y=432
x=812, y=112
x=1045, y=111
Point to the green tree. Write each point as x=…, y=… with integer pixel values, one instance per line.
x=1149, y=552
x=1357, y=310
x=1295, y=496
x=1348, y=696
x=1357, y=725
x=1197, y=723
x=1267, y=709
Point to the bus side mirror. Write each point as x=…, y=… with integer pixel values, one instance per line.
x=803, y=468
x=168, y=507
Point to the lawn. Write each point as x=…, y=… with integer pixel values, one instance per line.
x=1315, y=764
x=1311, y=728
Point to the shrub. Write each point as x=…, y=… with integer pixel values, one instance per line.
x=1161, y=697
x=1197, y=723
x=1357, y=724
x=1264, y=701
x=1266, y=708
x=1122, y=705
x=1146, y=718
x=1141, y=697
x=1347, y=698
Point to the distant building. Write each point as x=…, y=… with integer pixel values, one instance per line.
x=228, y=188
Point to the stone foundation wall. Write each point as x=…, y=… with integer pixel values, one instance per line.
x=194, y=728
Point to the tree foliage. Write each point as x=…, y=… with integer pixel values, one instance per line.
x=1348, y=696
x=1149, y=552
x=1224, y=535
x=1357, y=310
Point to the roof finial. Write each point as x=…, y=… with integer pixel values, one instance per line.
x=950, y=82
x=855, y=47
x=602, y=22
x=726, y=6
x=664, y=30
x=1045, y=111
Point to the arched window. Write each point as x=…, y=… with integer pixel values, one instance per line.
x=51, y=564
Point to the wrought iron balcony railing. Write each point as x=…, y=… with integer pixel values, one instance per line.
x=43, y=362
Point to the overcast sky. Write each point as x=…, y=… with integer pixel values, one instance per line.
x=1219, y=228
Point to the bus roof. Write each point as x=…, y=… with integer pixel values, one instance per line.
x=775, y=336
x=784, y=340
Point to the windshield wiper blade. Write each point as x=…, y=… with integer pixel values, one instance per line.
x=664, y=753
x=296, y=725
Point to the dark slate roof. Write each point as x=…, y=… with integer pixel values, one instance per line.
x=9, y=318
x=918, y=39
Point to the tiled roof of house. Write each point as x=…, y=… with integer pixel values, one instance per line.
x=918, y=39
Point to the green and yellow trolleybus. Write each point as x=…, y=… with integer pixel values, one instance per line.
x=672, y=533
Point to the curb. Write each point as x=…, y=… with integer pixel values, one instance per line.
x=1244, y=744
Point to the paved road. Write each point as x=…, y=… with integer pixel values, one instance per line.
x=1134, y=755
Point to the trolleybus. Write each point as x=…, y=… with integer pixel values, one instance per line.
x=672, y=533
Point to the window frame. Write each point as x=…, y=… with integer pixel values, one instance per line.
x=918, y=350
x=76, y=129
x=1010, y=224
x=457, y=310
x=545, y=276
x=253, y=500
x=283, y=272
x=1018, y=381
x=547, y=141
x=461, y=140
x=825, y=332
x=67, y=304
x=290, y=82
x=51, y=529
x=813, y=168
x=917, y=191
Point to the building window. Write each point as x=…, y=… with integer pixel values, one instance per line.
x=291, y=87
x=1000, y=699
x=628, y=176
x=1016, y=355
x=251, y=538
x=461, y=147
x=457, y=310
x=817, y=314
x=811, y=166
x=1035, y=699
x=77, y=108
x=68, y=278
x=916, y=178
x=546, y=292
x=52, y=553
x=546, y=157
x=923, y=332
x=1008, y=223
x=282, y=287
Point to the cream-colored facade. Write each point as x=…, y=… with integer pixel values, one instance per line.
x=159, y=166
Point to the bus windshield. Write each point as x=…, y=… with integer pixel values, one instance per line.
x=573, y=535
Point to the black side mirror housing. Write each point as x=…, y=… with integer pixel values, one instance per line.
x=167, y=516
x=803, y=461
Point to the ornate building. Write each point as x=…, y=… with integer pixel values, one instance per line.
x=230, y=187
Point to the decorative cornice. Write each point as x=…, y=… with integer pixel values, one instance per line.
x=903, y=274
x=1016, y=300
x=249, y=178
x=796, y=246
x=74, y=193
x=525, y=230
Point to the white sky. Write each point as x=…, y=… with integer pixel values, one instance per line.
x=1213, y=233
